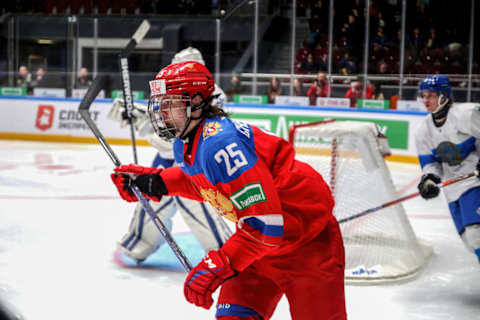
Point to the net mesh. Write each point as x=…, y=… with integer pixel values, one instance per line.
x=381, y=245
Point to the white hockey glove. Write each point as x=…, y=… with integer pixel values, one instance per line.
x=140, y=116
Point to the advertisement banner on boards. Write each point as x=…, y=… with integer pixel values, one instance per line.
x=292, y=101
x=50, y=92
x=333, y=102
x=411, y=105
x=397, y=131
x=56, y=117
x=13, y=91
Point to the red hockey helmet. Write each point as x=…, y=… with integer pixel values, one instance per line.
x=187, y=78
x=177, y=91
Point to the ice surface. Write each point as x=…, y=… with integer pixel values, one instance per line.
x=60, y=219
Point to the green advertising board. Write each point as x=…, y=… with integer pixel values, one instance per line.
x=250, y=99
x=13, y=91
x=395, y=130
x=137, y=95
x=373, y=104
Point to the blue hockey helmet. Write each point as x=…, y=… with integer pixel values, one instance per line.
x=438, y=83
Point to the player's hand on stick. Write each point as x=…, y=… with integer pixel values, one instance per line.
x=206, y=277
x=428, y=186
x=148, y=181
x=123, y=183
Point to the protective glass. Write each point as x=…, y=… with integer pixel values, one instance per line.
x=169, y=115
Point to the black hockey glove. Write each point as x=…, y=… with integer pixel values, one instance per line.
x=148, y=181
x=428, y=186
x=151, y=185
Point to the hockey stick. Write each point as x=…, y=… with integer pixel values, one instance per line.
x=410, y=196
x=126, y=84
x=85, y=104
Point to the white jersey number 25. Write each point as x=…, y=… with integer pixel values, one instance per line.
x=233, y=159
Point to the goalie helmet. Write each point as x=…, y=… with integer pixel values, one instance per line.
x=188, y=54
x=177, y=91
x=439, y=84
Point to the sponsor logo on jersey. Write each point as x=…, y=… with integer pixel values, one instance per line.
x=248, y=195
x=44, y=120
x=211, y=129
x=221, y=203
x=478, y=211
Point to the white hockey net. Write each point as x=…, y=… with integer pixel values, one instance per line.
x=379, y=246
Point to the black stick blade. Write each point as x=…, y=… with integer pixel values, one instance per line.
x=92, y=92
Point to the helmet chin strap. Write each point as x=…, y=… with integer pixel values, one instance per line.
x=190, y=110
x=440, y=105
x=440, y=113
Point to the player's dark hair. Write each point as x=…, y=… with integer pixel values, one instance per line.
x=214, y=111
x=210, y=111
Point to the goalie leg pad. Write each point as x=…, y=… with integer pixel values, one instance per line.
x=205, y=223
x=143, y=238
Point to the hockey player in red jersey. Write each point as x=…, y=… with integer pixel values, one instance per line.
x=286, y=241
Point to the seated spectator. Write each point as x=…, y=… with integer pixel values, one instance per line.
x=302, y=52
x=356, y=92
x=274, y=90
x=379, y=40
x=323, y=82
x=434, y=45
x=236, y=87
x=84, y=80
x=347, y=65
x=415, y=43
x=39, y=80
x=298, y=89
x=382, y=68
x=24, y=77
x=314, y=92
x=323, y=62
x=377, y=92
x=352, y=32
x=309, y=66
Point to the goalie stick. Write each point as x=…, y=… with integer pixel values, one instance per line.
x=410, y=196
x=83, y=109
x=126, y=84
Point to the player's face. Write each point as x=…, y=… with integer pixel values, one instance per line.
x=430, y=100
x=168, y=114
x=173, y=112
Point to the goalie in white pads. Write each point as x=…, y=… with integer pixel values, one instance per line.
x=143, y=238
x=448, y=146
